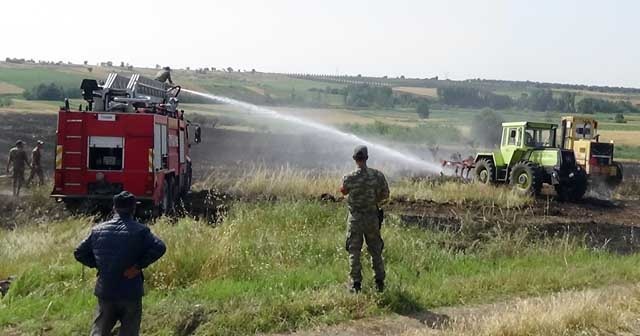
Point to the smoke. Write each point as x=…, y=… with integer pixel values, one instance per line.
x=407, y=160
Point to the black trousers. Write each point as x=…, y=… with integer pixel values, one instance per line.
x=129, y=313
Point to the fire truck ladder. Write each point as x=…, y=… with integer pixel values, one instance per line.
x=136, y=88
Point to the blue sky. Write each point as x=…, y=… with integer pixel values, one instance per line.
x=586, y=42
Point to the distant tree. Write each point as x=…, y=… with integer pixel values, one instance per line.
x=253, y=71
x=484, y=128
x=90, y=69
x=566, y=103
x=157, y=66
x=423, y=109
x=402, y=77
x=122, y=64
x=229, y=69
x=86, y=62
x=620, y=118
x=541, y=100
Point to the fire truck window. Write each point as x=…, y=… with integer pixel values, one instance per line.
x=105, y=153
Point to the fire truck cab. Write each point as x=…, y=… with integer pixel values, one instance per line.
x=130, y=136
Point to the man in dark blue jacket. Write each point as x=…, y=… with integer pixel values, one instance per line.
x=120, y=249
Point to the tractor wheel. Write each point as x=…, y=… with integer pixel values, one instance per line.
x=526, y=178
x=614, y=181
x=575, y=190
x=485, y=171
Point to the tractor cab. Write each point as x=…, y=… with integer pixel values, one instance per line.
x=519, y=138
x=580, y=134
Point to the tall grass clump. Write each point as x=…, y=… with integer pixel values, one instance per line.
x=459, y=193
x=285, y=183
x=591, y=312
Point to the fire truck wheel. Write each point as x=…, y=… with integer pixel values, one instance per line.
x=167, y=197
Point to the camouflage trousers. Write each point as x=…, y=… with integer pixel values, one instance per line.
x=364, y=227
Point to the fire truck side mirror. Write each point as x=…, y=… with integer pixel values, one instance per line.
x=198, y=135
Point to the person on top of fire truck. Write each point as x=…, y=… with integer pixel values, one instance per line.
x=164, y=75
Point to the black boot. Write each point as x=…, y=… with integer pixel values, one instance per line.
x=356, y=287
x=380, y=286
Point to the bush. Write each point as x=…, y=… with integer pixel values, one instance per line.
x=620, y=118
x=423, y=109
x=5, y=101
x=51, y=91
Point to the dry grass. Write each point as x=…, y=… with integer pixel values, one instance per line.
x=420, y=91
x=260, y=182
x=6, y=88
x=269, y=183
x=608, y=311
x=456, y=192
x=631, y=138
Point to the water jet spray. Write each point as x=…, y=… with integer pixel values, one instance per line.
x=409, y=159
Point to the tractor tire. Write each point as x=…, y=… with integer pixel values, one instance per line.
x=485, y=171
x=615, y=181
x=575, y=190
x=526, y=178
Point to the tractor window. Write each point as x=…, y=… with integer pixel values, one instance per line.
x=584, y=131
x=105, y=153
x=514, y=136
x=540, y=137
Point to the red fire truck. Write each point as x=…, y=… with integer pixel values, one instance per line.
x=130, y=136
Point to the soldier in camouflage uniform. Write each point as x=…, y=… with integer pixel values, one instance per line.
x=18, y=159
x=164, y=75
x=366, y=189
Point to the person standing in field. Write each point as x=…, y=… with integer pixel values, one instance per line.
x=36, y=166
x=119, y=249
x=366, y=188
x=18, y=159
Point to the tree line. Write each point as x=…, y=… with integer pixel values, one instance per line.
x=536, y=100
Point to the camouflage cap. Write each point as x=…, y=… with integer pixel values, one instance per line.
x=360, y=152
x=19, y=142
x=124, y=200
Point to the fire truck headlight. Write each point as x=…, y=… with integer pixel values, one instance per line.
x=100, y=176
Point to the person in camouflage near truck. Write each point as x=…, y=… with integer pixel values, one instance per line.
x=36, y=164
x=366, y=188
x=19, y=161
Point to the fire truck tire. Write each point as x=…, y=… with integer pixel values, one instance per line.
x=167, y=197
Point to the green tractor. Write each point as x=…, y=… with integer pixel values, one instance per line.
x=528, y=157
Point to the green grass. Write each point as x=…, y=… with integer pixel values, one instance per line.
x=276, y=267
x=27, y=78
x=627, y=152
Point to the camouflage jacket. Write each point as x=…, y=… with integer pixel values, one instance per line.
x=164, y=76
x=18, y=158
x=366, y=188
